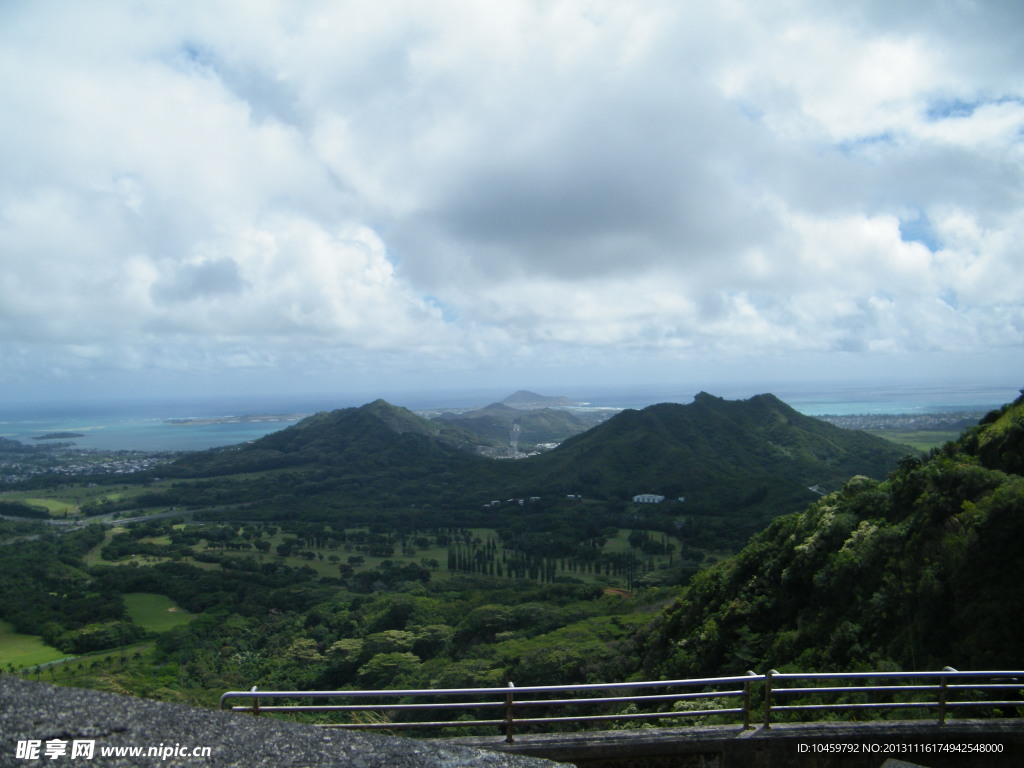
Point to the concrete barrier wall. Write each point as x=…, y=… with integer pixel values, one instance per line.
x=958, y=744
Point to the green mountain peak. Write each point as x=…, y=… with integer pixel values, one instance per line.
x=914, y=572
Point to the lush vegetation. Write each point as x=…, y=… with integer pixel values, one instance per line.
x=920, y=571
x=343, y=553
x=736, y=464
x=261, y=621
x=397, y=607
x=21, y=509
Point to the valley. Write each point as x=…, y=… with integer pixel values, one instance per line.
x=371, y=547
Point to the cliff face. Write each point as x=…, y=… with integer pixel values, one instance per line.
x=47, y=713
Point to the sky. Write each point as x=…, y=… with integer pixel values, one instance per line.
x=286, y=196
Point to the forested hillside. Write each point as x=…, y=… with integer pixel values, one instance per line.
x=923, y=570
x=293, y=580
x=719, y=454
x=370, y=439
x=750, y=459
x=500, y=424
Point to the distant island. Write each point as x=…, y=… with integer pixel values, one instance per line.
x=58, y=436
x=526, y=399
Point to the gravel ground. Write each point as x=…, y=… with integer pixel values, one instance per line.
x=49, y=715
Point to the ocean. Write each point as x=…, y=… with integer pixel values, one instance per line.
x=839, y=399
x=198, y=424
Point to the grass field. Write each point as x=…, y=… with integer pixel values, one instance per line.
x=921, y=439
x=24, y=650
x=67, y=499
x=56, y=507
x=322, y=562
x=92, y=557
x=155, y=613
x=161, y=540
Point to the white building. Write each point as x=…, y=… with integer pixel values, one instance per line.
x=648, y=498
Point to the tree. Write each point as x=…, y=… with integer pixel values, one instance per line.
x=389, y=641
x=389, y=670
x=304, y=650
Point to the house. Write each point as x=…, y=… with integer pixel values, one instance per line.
x=648, y=498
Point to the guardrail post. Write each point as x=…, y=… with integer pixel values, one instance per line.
x=943, y=695
x=508, y=714
x=255, y=702
x=746, y=699
x=768, y=698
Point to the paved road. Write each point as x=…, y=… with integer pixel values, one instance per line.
x=75, y=524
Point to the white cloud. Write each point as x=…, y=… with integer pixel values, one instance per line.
x=278, y=184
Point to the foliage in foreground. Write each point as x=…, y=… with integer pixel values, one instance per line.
x=921, y=571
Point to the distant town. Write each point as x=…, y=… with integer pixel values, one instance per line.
x=905, y=421
x=20, y=462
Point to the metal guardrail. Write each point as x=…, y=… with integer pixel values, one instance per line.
x=939, y=689
x=511, y=702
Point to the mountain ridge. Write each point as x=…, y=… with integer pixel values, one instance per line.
x=760, y=442
x=912, y=572
x=750, y=459
x=499, y=425
x=357, y=439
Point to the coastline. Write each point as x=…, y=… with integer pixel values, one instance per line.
x=199, y=425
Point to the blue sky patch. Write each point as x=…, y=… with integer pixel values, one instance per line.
x=919, y=229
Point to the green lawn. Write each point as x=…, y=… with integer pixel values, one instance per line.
x=155, y=613
x=24, y=650
x=161, y=540
x=620, y=542
x=67, y=499
x=921, y=439
x=323, y=566
x=56, y=507
x=92, y=557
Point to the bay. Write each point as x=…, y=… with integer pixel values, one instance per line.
x=168, y=425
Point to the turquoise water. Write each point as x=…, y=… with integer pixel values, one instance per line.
x=144, y=425
x=893, y=400
x=150, y=426
x=840, y=399
x=134, y=433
